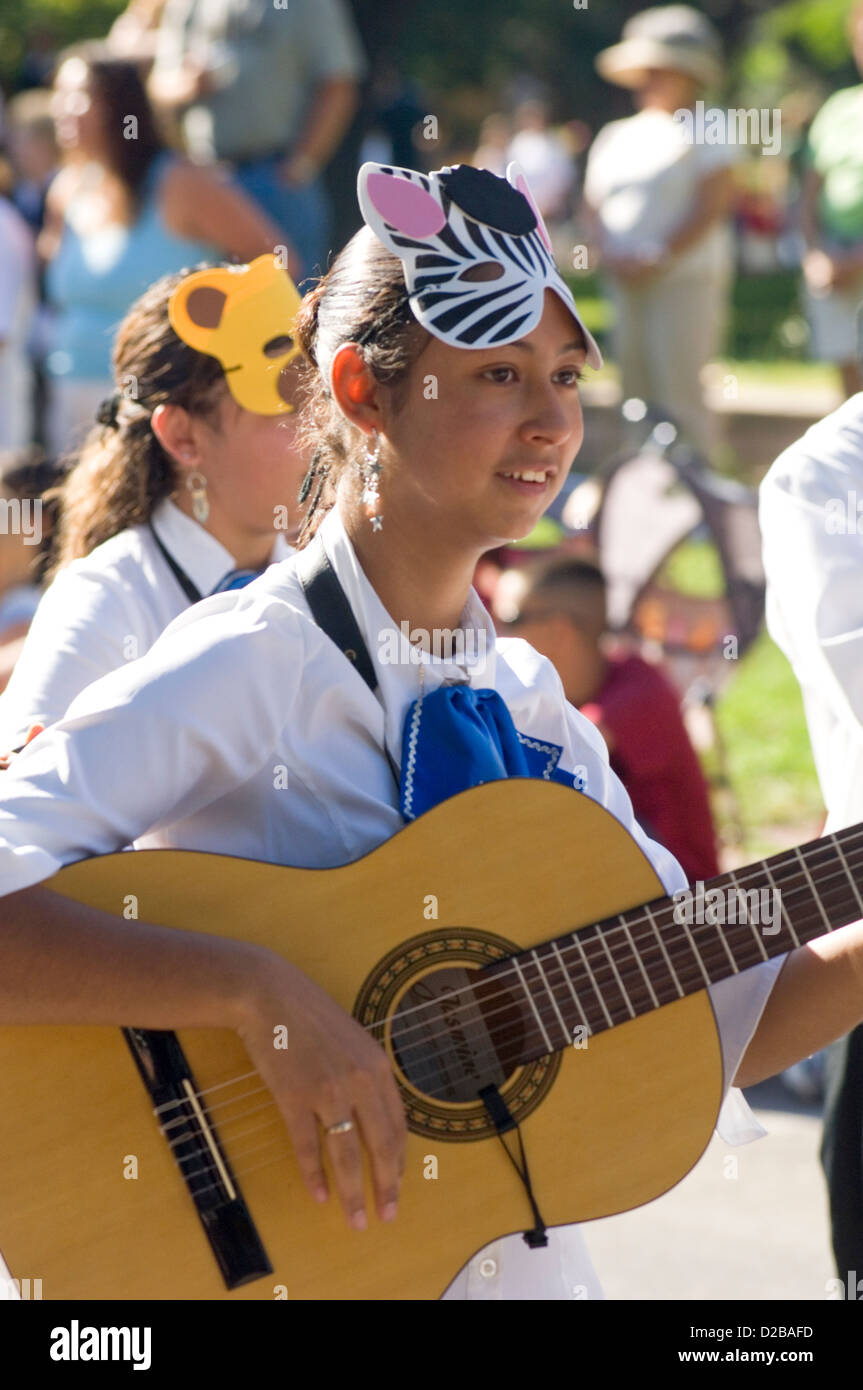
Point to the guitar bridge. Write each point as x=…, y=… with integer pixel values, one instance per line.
x=203, y=1164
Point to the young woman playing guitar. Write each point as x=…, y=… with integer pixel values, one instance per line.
x=445, y=415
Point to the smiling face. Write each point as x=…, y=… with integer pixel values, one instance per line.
x=487, y=454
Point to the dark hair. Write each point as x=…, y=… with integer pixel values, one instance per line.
x=119, y=87
x=576, y=588
x=121, y=471
x=362, y=299
x=27, y=476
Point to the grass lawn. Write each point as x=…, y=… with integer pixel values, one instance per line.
x=770, y=767
x=760, y=719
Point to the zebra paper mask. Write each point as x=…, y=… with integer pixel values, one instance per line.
x=476, y=254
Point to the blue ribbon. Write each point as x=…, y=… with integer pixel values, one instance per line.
x=459, y=737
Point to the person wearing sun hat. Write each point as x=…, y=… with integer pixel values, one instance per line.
x=658, y=206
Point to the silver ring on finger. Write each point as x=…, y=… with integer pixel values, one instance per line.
x=343, y=1127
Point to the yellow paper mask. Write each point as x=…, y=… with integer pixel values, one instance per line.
x=245, y=316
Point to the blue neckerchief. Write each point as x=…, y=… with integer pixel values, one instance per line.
x=459, y=737
x=235, y=579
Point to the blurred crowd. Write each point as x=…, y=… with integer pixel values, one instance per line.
x=198, y=130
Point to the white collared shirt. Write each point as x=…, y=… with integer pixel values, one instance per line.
x=245, y=687
x=811, y=518
x=106, y=609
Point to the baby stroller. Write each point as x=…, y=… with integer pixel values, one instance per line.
x=635, y=513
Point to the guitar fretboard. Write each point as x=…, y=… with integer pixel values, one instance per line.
x=622, y=967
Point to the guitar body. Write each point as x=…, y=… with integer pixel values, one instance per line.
x=91, y=1198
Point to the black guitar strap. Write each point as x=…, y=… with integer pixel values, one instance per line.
x=332, y=612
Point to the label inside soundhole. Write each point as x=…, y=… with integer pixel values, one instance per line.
x=455, y=1032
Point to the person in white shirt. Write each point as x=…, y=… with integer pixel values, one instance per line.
x=17, y=308
x=658, y=198
x=419, y=482
x=811, y=516
x=178, y=487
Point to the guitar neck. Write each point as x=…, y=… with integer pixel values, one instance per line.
x=651, y=955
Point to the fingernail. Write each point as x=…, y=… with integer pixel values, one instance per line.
x=321, y=1194
x=358, y=1221
x=388, y=1211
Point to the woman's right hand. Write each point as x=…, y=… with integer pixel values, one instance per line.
x=331, y=1071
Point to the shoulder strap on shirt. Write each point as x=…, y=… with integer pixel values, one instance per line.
x=331, y=610
x=191, y=590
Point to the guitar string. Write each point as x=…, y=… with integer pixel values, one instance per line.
x=601, y=969
x=195, y=1175
x=670, y=940
x=631, y=972
x=591, y=935
x=234, y=1119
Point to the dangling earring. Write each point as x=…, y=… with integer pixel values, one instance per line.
x=196, y=484
x=370, y=472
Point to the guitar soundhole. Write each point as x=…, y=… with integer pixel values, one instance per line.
x=452, y=1027
x=452, y=1034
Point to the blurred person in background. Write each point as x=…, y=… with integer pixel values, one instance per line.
x=25, y=528
x=394, y=111
x=172, y=496
x=492, y=152
x=270, y=91
x=831, y=221
x=562, y=613
x=32, y=143
x=122, y=211
x=545, y=159
x=134, y=33
x=17, y=308
x=39, y=58
x=658, y=205
x=812, y=533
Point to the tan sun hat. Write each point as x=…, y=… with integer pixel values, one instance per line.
x=674, y=37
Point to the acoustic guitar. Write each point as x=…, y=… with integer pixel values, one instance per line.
x=544, y=1006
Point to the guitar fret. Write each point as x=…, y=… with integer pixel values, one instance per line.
x=792, y=933
x=813, y=889
x=651, y=936
x=529, y=994
x=596, y=989
x=572, y=989
x=671, y=969
x=626, y=999
x=550, y=993
x=638, y=959
x=848, y=874
x=695, y=950
x=725, y=946
x=749, y=922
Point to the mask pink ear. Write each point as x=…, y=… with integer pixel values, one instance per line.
x=404, y=205
x=515, y=176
